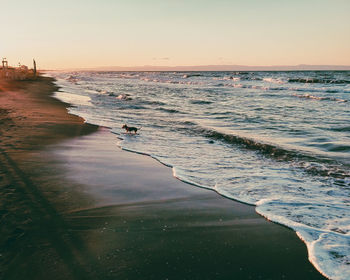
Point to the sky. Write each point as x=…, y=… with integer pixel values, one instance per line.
x=92, y=33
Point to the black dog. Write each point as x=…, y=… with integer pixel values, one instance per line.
x=130, y=128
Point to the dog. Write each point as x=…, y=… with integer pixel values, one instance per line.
x=130, y=128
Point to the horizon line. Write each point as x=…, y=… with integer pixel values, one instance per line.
x=213, y=67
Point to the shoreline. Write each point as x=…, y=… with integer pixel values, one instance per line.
x=98, y=212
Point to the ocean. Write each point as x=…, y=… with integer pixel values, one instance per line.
x=276, y=140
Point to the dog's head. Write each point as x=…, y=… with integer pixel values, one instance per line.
x=124, y=126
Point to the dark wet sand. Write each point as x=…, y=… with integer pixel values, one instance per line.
x=75, y=206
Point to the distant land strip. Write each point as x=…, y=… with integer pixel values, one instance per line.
x=300, y=67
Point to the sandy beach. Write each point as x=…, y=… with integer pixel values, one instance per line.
x=75, y=206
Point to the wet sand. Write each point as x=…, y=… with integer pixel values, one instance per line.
x=75, y=206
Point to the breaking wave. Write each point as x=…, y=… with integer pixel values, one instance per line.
x=317, y=81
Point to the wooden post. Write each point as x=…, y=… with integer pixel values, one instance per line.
x=34, y=69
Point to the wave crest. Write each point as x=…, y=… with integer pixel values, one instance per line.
x=311, y=164
x=317, y=81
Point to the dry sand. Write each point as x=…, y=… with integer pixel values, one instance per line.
x=75, y=206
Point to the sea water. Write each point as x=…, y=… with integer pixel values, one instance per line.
x=276, y=140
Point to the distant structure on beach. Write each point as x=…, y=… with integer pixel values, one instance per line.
x=4, y=63
x=22, y=72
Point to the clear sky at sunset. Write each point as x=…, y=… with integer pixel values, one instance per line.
x=91, y=33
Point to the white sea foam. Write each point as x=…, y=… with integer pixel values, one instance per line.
x=329, y=251
x=274, y=80
x=238, y=85
x=309, y=96
x=74, y=99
